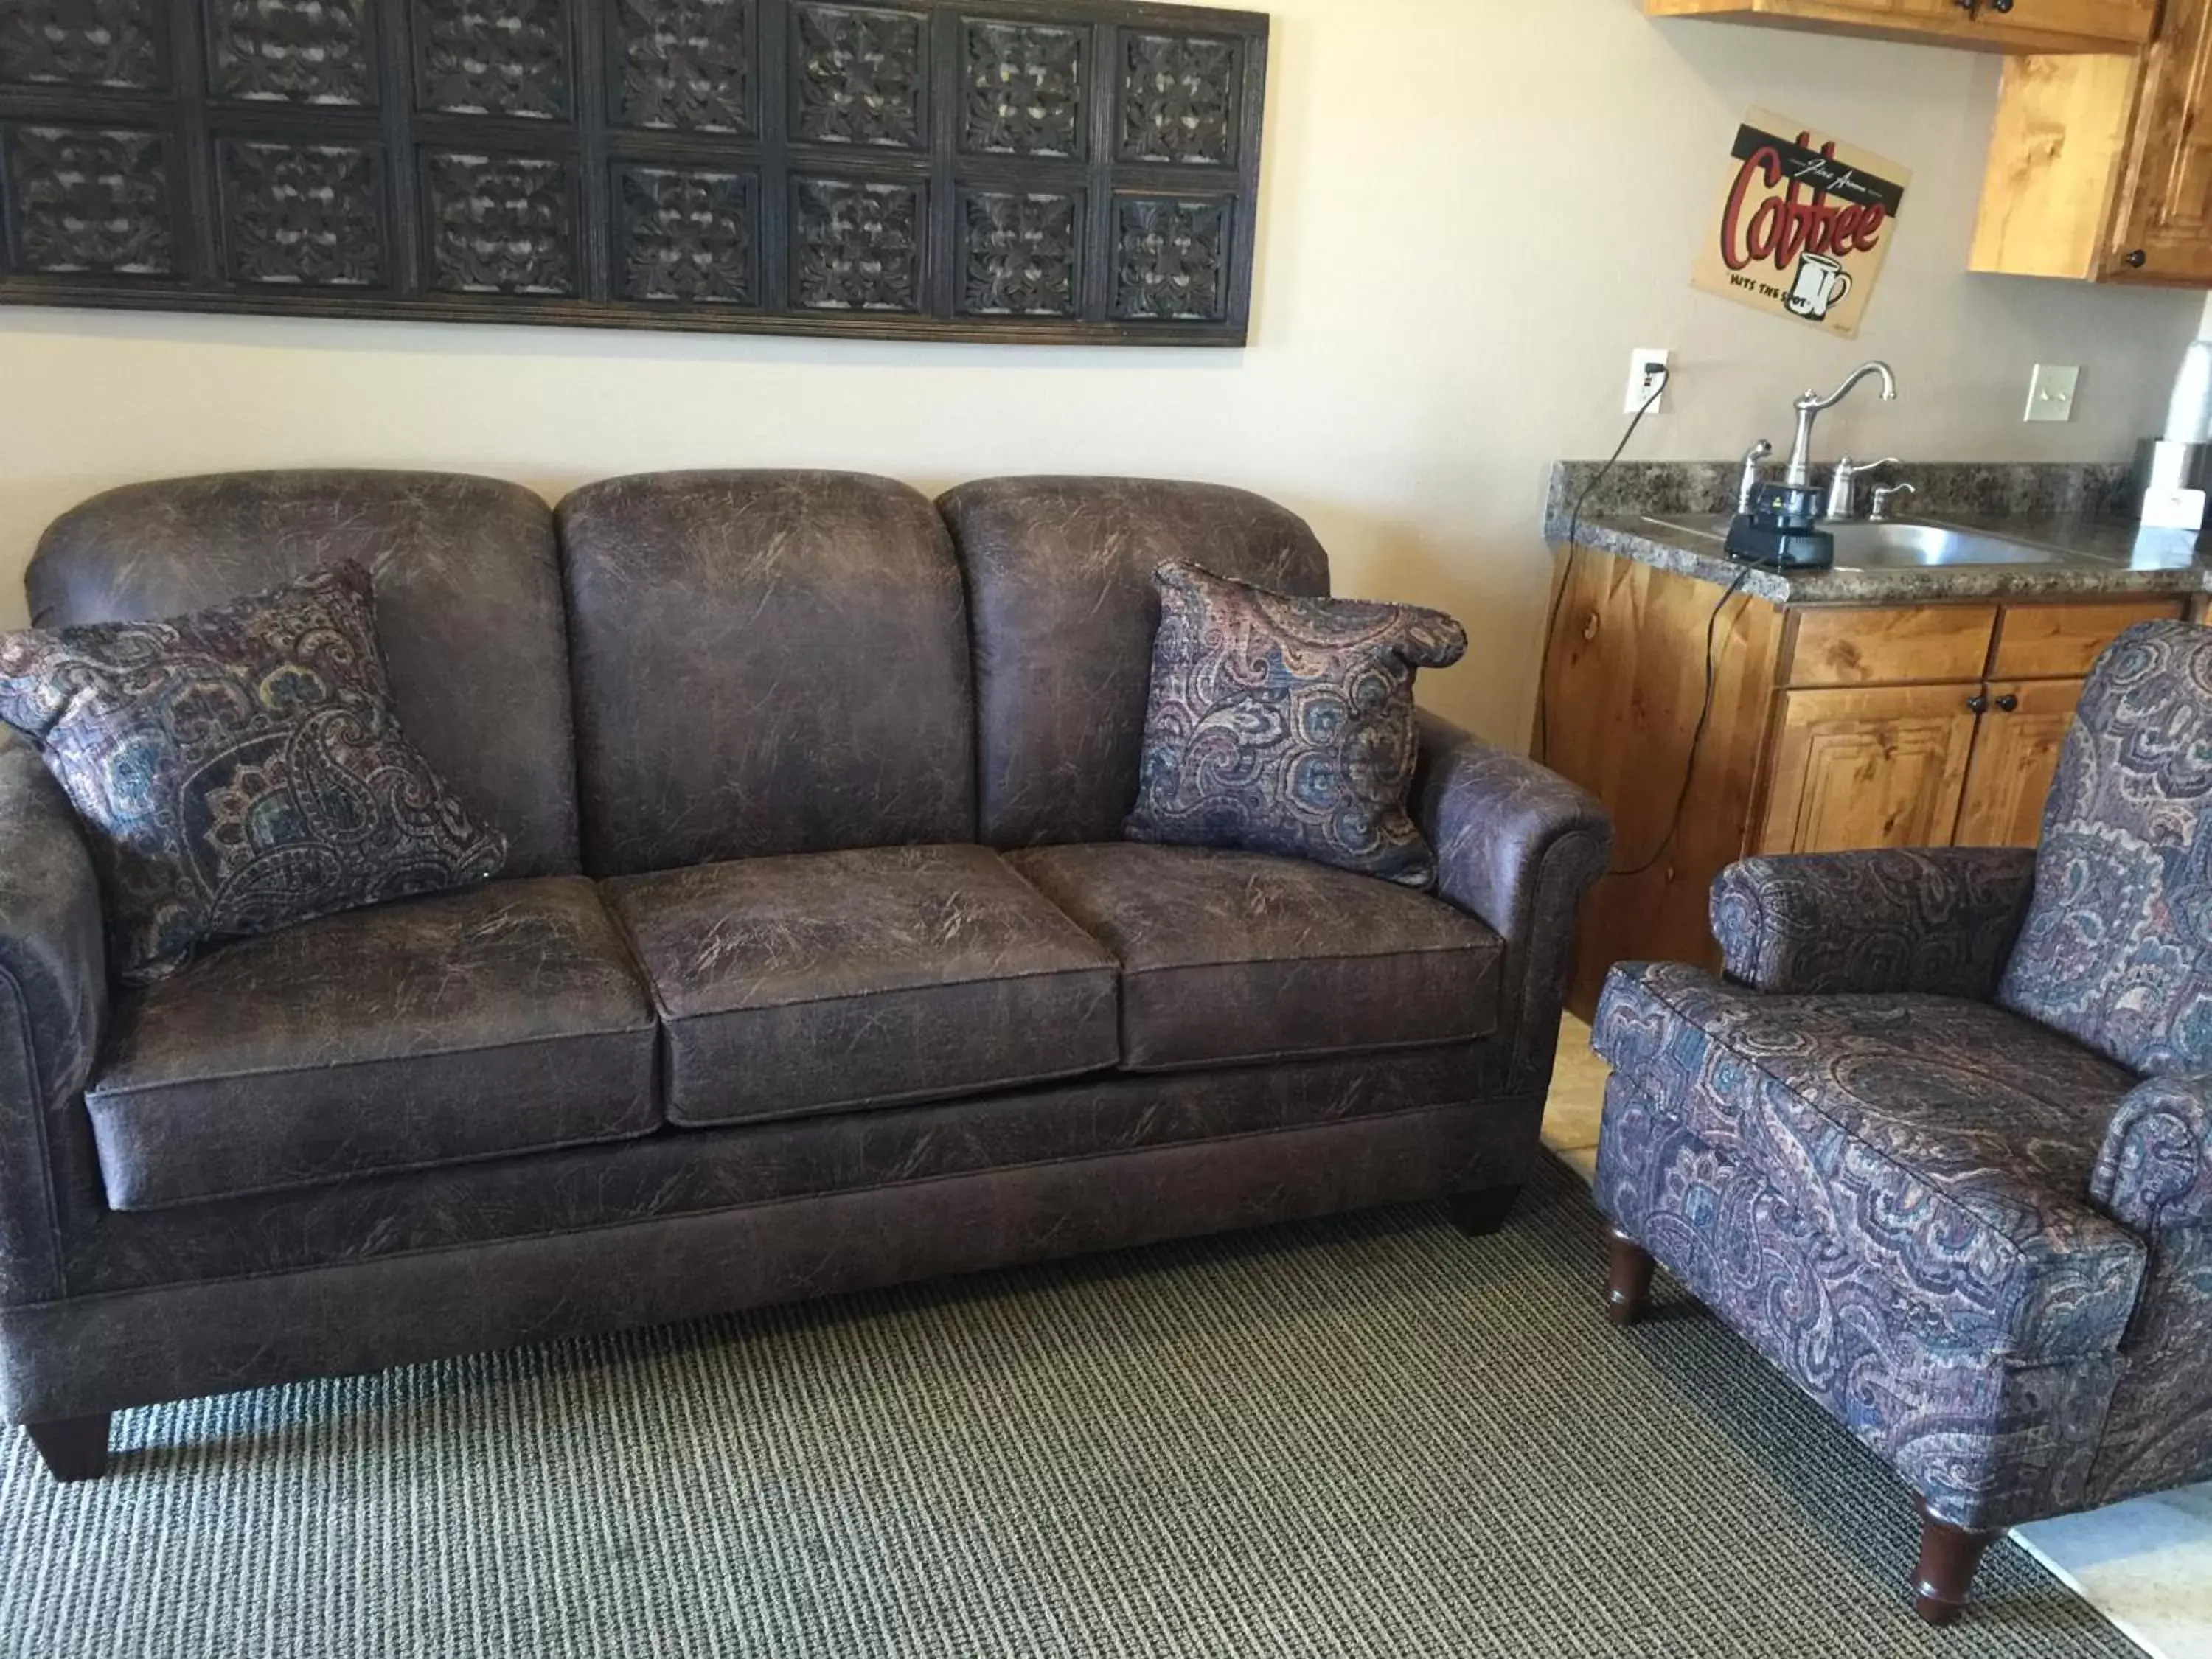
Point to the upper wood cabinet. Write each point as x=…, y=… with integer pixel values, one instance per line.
x=2100, y=168
x=2162, y=220
x=2016, y=26
x=2074, y=25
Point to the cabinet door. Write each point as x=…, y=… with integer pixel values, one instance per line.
x=2162, y=230
x=2021, y=25
x=1881, y=767
x=2119, y=24
x=2015, y=757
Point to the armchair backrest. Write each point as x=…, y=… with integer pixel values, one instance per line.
x=2116, y=951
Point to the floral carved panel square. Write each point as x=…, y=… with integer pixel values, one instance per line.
x=293, y=51
x=92, y=201
x=493, y=57
x=856, y=245
x=114, y=44
x=1022, y=90
x=500, y=224
x=1171, y=259
x=306, y=215
x=687, y=235
x=1179, y=98
x=685, y=65
x=1021, y=254
x=858, y=76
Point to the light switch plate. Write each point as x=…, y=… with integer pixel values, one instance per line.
x=1641, y=383
x=2051, y=392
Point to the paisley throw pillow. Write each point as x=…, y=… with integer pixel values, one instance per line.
x=238, y=769
x=1283, y=725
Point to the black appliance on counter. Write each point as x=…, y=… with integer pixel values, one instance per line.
x=1781, y=529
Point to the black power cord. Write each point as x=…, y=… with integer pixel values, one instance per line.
x=1567, y=564
x=1551, y=622
x=1696, y=737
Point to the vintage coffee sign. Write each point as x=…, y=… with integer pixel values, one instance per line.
x=1805, y=224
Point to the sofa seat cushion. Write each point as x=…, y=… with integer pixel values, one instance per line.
x=1943, y=1146
x=830, y=981
x=1230, y=958
x=505, y=1018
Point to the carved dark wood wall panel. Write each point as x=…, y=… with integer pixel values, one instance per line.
x=1079, y=171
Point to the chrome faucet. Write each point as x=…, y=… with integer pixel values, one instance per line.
x=1812, y=405
x=1754, y=474
x=1886, y=497
x=1843, y=485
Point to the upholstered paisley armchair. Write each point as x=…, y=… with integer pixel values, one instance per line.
x=1939, y=1144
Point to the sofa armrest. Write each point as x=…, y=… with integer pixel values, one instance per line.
x=53, y=1003
x=1517, y=847
x=2154, y=1173
x=1941, y=920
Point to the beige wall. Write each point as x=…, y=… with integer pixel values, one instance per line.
x=1475, y=209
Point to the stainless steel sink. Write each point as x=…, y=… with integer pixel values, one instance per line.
x=1893, y=546
x=1903, y=546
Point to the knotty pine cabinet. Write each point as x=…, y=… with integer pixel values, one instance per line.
x=2101, y=167
x=1832, y=728
x=1964, y=765
x=2011, y=26
x=1878, y=766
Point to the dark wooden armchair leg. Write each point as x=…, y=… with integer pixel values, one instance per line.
x=74, y=1448
x=1480, y=1214
x=1948, y=1558
x=1630, y=1286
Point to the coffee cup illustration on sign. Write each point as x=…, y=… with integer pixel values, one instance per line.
x=1821, y=284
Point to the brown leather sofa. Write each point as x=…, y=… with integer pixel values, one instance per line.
x=819, y=963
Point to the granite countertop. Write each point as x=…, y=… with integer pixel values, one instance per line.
x=2066, y=509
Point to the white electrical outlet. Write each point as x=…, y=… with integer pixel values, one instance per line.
x=1647, y=373
x=2051, y=392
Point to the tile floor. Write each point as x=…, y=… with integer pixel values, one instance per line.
x=2146, y=1566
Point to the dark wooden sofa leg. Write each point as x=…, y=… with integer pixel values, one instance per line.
x=74, y=1448
x=1629, y=1286
x=1948, y=1558
x=1480, y=1214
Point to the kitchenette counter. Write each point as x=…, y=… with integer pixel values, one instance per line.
x=1672, y=516
x=2095, y=558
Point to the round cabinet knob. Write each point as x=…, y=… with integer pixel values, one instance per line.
x=2136, y=259
x=2000, y=6
x=2008, y=703
x=1979, y=703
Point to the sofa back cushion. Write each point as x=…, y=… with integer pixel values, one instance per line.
x=468, y=609
x=1059, y=584
x=2116, y=951
x=765, y=663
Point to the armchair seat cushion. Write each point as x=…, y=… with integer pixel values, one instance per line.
x=1945, y=1144
x=502, y=1019
x=1234, y=958
x=830, y=981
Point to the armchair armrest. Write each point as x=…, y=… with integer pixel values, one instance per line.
x=1941, y=920
x=53, y=1002
x=2154, y=1173
x=1517, y=847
